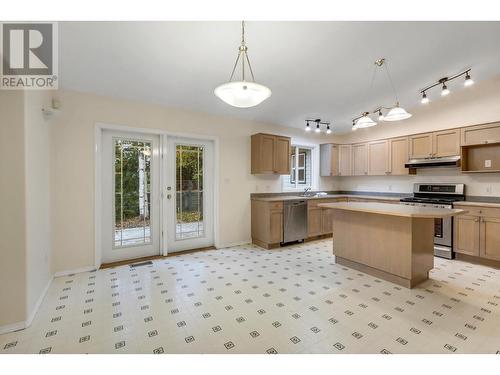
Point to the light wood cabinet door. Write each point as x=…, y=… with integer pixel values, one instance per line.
x=326, y=221
x=446, y=143
x=378, y=158
x=480, y=134
x=359, y=159
x=490, y=238
x=334, y=161
x=345, y=165
x=314, y=226
x=398, y=156
x=276, y=226
x=420, y=145
x=281, y=155
x=466, y=234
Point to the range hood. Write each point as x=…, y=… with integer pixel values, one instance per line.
x=448, y=161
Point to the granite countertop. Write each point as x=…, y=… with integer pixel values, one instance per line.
x=394, y=209
x=279, y=198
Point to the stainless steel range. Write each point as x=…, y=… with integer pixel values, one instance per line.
x=441, y=196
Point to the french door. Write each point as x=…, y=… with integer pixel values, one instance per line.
x=130, y=168
x=189, y=194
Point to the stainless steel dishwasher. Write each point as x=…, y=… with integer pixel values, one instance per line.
x=294, y=220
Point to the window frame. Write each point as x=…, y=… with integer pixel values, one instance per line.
x=286, y=180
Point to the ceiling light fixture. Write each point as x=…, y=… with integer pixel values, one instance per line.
x=242, y=94
x=444, y=87
x=318, y=126
x=425, y=99
x=396, y=112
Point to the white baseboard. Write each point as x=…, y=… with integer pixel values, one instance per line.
x=12, y=327
x=223, y=246
x=78, y=270
x=31, y=314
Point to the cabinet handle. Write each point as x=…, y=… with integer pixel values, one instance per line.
x=476, y=220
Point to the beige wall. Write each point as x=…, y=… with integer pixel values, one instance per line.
x=12, y=214
x=466, y=106
x=72, y=167
x=37, y=160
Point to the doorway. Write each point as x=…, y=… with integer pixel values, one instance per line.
x=189, y=203
x=155, y=192
x=131, y=204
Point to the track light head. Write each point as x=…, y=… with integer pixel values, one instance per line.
x=468, y=80
x=425, y=99
x=328, y=130
x=308, y=128
x=445, y=90
x=381, y=117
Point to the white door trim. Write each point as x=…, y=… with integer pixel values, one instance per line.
x=99, y=127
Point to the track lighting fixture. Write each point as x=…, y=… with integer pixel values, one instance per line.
x=444, y=86
x=425, y=99
x=318, y=126
x=381, y=117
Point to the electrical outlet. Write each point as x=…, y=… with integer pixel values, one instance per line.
x=487, y=163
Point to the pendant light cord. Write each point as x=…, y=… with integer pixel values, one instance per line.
x=242, y=51
x=391, y=82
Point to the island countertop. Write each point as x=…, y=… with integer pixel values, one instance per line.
x=394, y=209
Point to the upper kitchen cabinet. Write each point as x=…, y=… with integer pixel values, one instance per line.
x=359, y=159
x=420, y=145
x=329, y=160
x=398, y=156
x=437, y=144
x=345, y=160
x=270, y=154
x=378, y=158
x=481, y=134
x=446, y=143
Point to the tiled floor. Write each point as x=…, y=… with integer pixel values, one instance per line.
x=248, y=300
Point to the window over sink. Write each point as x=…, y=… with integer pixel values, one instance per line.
x=301, y=176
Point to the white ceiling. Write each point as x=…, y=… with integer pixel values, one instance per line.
x=315, y=69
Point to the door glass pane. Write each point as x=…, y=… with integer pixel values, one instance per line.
x=132, y=198
x=189, y=192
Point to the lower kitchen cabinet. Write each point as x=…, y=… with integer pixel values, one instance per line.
x=267, y=223
x=314, y=227
x=477, y=233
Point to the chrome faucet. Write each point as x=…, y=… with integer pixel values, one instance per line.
x=304, y=194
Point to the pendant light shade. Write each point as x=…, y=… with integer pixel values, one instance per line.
x=364, y=122
x=242, y=94
x=396, y=114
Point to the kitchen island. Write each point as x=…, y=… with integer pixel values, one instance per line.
x=392, y=242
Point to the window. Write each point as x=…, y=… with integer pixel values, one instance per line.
x=301, y=171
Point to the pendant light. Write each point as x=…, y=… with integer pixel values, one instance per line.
x=364, y=122
x=242, y=94
x=396, y=113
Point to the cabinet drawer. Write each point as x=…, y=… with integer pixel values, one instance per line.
x=480, y=211
x=276, y=205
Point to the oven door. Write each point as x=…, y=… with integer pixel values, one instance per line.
x=442, y=230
